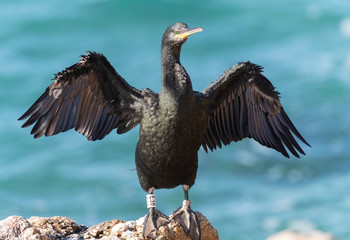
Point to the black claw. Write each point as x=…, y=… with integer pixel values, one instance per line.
x=153, y=221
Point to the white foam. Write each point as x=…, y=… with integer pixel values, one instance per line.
x=345, y=27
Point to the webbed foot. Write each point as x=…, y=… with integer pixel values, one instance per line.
x=154, y=218
x=188, y=220
x=153, y=221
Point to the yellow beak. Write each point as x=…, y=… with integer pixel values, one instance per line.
x=189, y=32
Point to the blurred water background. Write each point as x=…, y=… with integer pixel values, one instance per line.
x=245, y=190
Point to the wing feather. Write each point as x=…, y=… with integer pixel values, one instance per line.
x=244, y=104
x=214, y=133
x=91, y=97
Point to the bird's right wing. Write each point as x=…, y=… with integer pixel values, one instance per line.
x=91, y=97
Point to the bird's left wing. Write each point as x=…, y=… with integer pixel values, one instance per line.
x=244, y=104
x=91, y=97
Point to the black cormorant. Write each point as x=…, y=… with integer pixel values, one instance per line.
x=91, y=97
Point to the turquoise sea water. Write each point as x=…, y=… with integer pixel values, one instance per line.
x=245, y=190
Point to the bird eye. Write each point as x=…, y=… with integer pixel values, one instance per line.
x=177, y=32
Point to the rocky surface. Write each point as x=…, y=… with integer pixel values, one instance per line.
x=63, y=228
x=292, y=235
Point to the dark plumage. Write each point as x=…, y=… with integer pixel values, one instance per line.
x=94, y=99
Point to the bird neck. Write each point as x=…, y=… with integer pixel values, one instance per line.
x=175, y=80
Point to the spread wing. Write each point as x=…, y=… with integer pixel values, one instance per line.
x=244, y=104
x=91, y=97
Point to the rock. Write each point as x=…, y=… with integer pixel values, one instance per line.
x=63, y=228
x=100, y=230
x=16, y=227
x=55, y=227
x=39, y=228
x=292, y=235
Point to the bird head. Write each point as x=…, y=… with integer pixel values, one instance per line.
x=177, y=34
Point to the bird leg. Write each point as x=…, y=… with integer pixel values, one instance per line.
x=154, y=218
x=187, y=218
